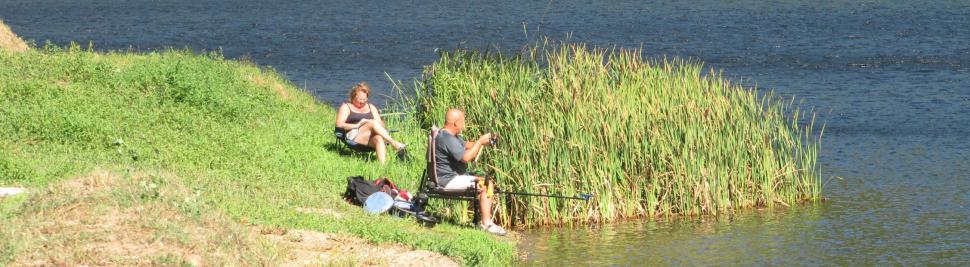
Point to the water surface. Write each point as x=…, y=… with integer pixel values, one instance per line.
x=891, y=79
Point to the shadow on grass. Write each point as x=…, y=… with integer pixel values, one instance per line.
x=344, y=151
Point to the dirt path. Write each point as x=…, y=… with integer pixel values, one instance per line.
x=316, y=248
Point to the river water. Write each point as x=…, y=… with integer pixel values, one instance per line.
x=891, y=79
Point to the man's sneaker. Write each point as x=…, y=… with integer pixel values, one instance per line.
x=493, y=228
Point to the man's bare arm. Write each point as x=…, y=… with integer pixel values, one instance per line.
x=471, y=153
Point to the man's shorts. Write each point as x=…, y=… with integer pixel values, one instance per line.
x=461, y=182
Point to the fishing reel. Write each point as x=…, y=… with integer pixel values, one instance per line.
x=494, y=140
x=418, y=207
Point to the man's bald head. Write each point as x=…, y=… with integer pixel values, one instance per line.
x=455, y=119
x=453, y=116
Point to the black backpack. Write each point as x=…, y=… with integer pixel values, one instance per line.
x=358, y=189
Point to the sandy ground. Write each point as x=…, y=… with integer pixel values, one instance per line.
x=316, y=248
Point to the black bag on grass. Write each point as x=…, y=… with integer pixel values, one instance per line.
x=358, y=189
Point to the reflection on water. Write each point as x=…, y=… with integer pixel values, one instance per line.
x=891, y=80
x=916, y=212
x=744, y=239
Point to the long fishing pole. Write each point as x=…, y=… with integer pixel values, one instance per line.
x=583, y=197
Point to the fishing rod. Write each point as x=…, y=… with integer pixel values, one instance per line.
x=583, y=197
x=491, y=179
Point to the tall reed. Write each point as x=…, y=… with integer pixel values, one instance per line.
x=647, y=137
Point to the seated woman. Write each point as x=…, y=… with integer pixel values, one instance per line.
x=362, y=127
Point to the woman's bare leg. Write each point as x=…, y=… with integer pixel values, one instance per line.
x=367, y=138
x=363, y=137
x=378, y=144
x=376, y=128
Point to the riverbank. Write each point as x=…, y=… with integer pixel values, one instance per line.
x=241, y=142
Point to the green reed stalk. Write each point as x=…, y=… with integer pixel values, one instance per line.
x=647, y=137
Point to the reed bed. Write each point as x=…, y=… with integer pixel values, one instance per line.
x=647, y=137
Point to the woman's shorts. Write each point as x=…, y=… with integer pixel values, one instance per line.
x=349, y=140
x=352, y=134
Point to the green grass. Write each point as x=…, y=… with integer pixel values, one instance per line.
x=252, y=145
x=648, y=138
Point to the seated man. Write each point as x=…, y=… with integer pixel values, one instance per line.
x=452, y=155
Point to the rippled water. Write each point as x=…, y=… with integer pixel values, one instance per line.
x=890, y=78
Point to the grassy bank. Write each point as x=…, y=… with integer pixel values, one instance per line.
x=249, y=144
x=648, y=138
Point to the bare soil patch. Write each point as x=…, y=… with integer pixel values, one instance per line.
x=316, y=248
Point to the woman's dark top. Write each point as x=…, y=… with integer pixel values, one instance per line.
x=355, y=117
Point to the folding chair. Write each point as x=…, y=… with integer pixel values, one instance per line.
x=430, y=188
x=342, y=142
